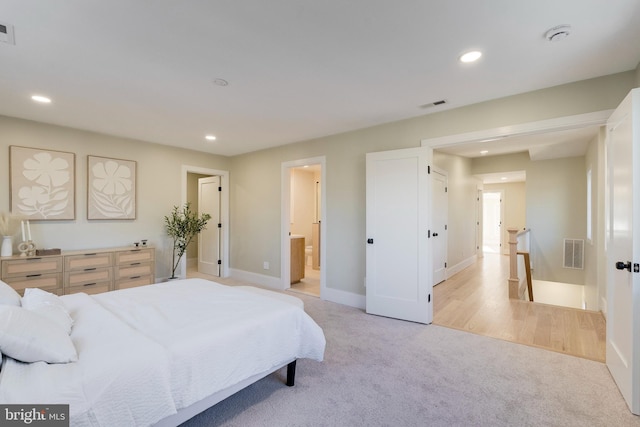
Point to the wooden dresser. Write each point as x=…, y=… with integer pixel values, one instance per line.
x=91, y=271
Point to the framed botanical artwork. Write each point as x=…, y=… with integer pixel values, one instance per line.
x=42, y=183
x=111, y=188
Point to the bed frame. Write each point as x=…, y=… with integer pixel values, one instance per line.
x=191, y=411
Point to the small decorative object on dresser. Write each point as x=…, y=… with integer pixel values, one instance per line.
x=183, y=226
x=8, y=229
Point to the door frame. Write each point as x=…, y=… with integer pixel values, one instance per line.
x=224, y=211
x=285, y=220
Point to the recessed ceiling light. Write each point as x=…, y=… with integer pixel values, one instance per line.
x=483, y=152
x=41, y=99
x=210, y=138
x=471, y=56
x=220, y=82
x=558, y=33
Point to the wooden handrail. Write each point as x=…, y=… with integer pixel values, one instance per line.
x=527, y=266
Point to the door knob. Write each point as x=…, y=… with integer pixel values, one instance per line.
x=623, y=266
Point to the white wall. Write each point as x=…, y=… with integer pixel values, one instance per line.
x=158, y=186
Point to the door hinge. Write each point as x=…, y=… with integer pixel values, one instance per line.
x=429, y=298
x=445, y=189
x=219, y=225
x=445, y=265
x=219, y=262
x=445, y=227
x=219, y=188
x=428, y=169
x=428, y=234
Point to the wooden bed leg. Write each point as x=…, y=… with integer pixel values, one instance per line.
x=291, y=373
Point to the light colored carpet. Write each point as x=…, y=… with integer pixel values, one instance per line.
x=386, y=372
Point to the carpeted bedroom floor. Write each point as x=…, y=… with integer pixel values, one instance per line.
x=385, y=372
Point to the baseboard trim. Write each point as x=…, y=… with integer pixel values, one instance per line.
x=461, y=265
x=259, y=279
x=345, y=298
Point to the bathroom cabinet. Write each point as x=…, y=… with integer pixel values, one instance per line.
x=297, y=258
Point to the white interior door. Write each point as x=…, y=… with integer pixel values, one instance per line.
x=440, y=212
x=209, y=239
x=399, y=266
x=623, y=248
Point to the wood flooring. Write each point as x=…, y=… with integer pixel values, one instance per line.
x=477, y=300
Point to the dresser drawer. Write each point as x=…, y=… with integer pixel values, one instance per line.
x=29, y=267
x=134, y=270
x=135, y=256
x=89, y=288
x=88, y=276
x=87, y=261
x=133, y=282
x=47, y=282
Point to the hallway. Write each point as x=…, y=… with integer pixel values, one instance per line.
x=476, y=300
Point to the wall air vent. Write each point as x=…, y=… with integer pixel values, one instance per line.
x=574, y=253
x=6, y=33
x=433, y=104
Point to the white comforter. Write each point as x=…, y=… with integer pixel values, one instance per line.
x=146, y=352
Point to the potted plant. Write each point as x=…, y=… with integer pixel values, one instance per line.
x=183, y=225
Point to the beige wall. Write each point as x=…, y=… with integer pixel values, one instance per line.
x=159, y=184
x=255, y=176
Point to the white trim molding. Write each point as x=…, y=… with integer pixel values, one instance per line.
x=256, y=278
x=551, y=125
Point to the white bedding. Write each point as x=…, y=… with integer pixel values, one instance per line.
x=149, y=351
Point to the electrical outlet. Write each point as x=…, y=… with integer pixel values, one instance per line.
x=265, y=265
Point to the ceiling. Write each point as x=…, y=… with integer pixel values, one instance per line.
x=296, y=69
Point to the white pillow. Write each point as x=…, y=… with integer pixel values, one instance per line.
x=48, y=305
x=8, y=295
x=29, y=337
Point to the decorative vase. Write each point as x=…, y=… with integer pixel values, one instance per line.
x=7, y=246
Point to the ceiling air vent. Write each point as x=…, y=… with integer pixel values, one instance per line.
x=6, y=33
x=574, y=253
x=434, y=104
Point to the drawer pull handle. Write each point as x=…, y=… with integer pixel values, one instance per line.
x=93, y=254
x=89, y=284
x=89, y=269
x=135, y=263
x=134, y=277
x=34, y=275
x=33, y=259
x=136, y=250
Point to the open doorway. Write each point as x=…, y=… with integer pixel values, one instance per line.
x=207, y=191
x=303, y=225
x=492, y=222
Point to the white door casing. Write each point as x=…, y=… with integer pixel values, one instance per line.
x=209, y=238
x=398, y=251
x=440, y=212
x=623, y=245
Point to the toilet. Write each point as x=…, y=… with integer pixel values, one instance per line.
x=308, y=254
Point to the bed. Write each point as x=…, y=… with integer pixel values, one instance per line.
x=156, y=354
